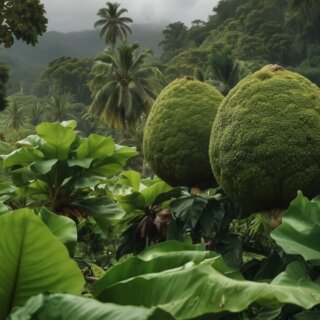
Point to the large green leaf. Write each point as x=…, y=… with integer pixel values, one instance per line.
x=307, y=315
x=5, y=147
x=178, y=286
x=123, y=154
x=300, y=229
x=43, y=166
x=131, y=202
x=96, y=147
x=30, y=141
x=33, y=260
x=155, y=259
x=106, y=168
x=84, y=163
x=102, y=209
x=57, y=139
x=6, y=191
x=131, y=178
x=62, y=227
x=66, y=307
x=151, y=193
x=21, y=157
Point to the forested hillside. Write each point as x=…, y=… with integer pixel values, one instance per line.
x=27, y=62
x=257, y=32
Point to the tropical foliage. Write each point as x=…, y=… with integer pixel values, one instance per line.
x=86, y=229
x=22, y=20
x=123, y=86
x=114, y=25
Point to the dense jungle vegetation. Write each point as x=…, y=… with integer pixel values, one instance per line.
x=119, y=202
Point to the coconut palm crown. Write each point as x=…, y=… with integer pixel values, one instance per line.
x=114, y=25
x=123, y=86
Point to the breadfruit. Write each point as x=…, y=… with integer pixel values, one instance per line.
x=265, y=140
x=177, y=132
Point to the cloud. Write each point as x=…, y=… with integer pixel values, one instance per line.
x=74, y=15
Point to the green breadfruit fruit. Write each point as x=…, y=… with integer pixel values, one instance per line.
x=265, y=140
x=177, y=132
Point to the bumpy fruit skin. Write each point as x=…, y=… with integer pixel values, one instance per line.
x=265, y=140
x=177, y=132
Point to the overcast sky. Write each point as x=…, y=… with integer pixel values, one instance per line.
x=75, y=15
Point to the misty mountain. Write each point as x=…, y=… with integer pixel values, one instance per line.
x=26, y=62
x=82, y=44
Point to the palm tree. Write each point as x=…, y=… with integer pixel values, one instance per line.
x=59, y=107
x=114, y=26
x=226, y=70
x=175, y=37
x=123, y=87
x=13, y=116
x=308, y=9
x=35, y=114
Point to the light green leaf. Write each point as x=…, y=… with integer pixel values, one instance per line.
x=84, y=163
x=131, y=202
x=96, y=147
x=151, y=193
x=66, y=307
x=33, y=260
x=132, y=178
x=108, y=169
x=123, y=154
x=58, y=139
x=3, y=208
x=30, y=141
x=158, y=258
x=5, y=147
x=97, y=271
x=6, y=188
x=21, y=157
x=62, y=227
x=36, y=187
x=167, y=280
x=300, y=229
x=69, y=124
x=43, y=166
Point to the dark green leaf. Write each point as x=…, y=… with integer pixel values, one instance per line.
x=171, y=194
x=229, y=245
x=211, y=219
x=43, y=166
x=181, y=208
x=268, y=314
x=307, y=315
x=102, y=209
